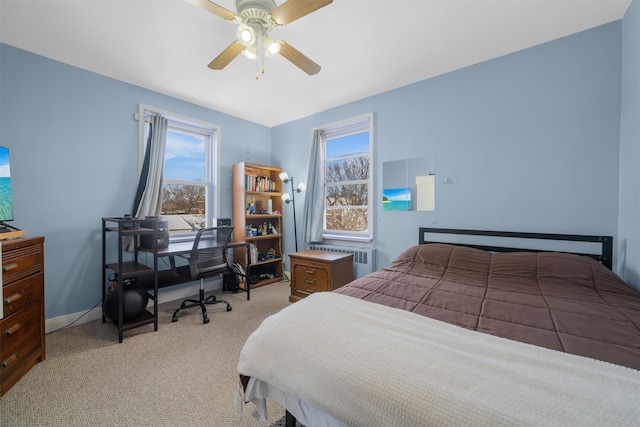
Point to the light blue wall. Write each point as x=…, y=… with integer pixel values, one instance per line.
x=530, y=141
x=74, y=160
x=629, y=231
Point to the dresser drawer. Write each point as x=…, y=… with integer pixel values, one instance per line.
x=22, y=293
x=309, y=277
x=20, y=261
x=21, y=336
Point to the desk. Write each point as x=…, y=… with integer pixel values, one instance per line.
x=185, y=247
x=145, y=272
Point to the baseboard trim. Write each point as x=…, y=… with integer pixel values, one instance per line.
x=166, y=295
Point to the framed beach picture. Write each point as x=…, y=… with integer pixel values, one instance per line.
x=6, y=195
x=396, y=199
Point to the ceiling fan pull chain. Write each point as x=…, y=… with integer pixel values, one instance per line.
x=259, y=57
x=261, y=49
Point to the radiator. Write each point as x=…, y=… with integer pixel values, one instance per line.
x=364, y=259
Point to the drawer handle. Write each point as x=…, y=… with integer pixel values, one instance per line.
x=9, y=267
x=312, y=271
x=9, y=360
x=12, y=298
x=12, y=330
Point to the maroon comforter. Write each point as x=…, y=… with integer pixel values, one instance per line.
x=559, y=301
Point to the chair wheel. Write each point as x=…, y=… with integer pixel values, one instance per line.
x=229, y=307
x=205, y=320
x=174, y=318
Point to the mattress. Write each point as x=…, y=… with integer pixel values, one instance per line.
x=559, y=301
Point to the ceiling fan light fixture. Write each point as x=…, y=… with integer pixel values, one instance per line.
x=256, y=19
x=272, y=46
x=248, y=34
x=251, y=52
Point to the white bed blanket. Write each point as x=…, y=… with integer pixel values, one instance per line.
x=370, y=365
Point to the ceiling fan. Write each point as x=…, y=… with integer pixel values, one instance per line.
x=256, y=18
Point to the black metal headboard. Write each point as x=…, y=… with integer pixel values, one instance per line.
x=605, y=256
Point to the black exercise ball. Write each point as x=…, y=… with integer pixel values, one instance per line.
x=134, y=301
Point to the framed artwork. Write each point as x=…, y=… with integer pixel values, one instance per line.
x=396, y=199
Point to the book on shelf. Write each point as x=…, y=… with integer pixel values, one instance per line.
x=258, y=183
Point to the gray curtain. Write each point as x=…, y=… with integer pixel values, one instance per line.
x=313, y=220
x=148, y=199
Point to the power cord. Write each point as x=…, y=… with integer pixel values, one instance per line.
x=81, y=316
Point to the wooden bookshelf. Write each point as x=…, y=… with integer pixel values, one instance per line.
x=256, y=185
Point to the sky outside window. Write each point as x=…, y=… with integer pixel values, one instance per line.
x=348, y=145
x=184, y=156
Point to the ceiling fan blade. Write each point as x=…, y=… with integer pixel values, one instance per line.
x=298, y=59
x=213, y=8
x=226, y=56
x=291, y=10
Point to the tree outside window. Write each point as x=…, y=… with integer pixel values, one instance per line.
x=184, y=197
x=347, y=183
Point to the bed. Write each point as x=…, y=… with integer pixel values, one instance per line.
x=451, y=333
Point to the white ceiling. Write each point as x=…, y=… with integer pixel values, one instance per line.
x=365, y=47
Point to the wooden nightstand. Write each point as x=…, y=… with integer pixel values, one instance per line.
x=318, y=271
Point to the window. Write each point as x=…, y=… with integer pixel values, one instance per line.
x=191, y=171
x=348, y=172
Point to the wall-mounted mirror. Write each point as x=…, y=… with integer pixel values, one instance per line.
x=409, y=185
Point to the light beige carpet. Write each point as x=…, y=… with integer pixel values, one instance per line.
x=184, y=374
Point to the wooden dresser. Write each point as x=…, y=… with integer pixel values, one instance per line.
x=318, y=271
x=22, y=324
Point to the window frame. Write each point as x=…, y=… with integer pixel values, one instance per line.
x=351, y=126
x=211, y=133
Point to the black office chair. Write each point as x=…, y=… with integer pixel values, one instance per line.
x=207, y=258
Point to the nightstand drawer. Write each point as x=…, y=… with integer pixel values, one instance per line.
x=309, y=277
